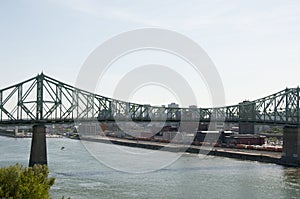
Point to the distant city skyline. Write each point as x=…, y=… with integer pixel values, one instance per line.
x=255, y=45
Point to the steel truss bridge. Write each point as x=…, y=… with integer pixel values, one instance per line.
x=43, y=99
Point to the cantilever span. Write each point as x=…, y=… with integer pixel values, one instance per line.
x=43, y=99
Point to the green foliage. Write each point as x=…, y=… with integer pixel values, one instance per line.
x=19, y=182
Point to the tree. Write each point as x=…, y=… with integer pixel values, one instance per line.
x=19, y=182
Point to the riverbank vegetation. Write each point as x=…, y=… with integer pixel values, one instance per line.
x=21, y=182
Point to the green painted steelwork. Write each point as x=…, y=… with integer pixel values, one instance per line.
x=43, y=99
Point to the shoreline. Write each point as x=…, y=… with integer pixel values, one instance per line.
x=241, y=154
x=27, y=136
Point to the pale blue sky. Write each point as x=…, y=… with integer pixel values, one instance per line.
x=255, y=45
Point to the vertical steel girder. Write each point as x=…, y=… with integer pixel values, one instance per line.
x=39, y=100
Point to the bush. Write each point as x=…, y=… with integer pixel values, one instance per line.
x=19, y=182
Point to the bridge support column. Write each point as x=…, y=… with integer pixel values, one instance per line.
x=38, y=153
x=246, y=128
x=16, y=131
x=291, y=146
x=246, y=115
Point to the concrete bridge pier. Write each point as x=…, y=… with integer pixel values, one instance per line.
x=291, y=146
x=246, y=128
x=38, y=153
x=246, y=115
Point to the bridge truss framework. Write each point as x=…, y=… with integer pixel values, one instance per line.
x=43, y=99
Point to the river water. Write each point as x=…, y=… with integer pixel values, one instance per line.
x=79, y=175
